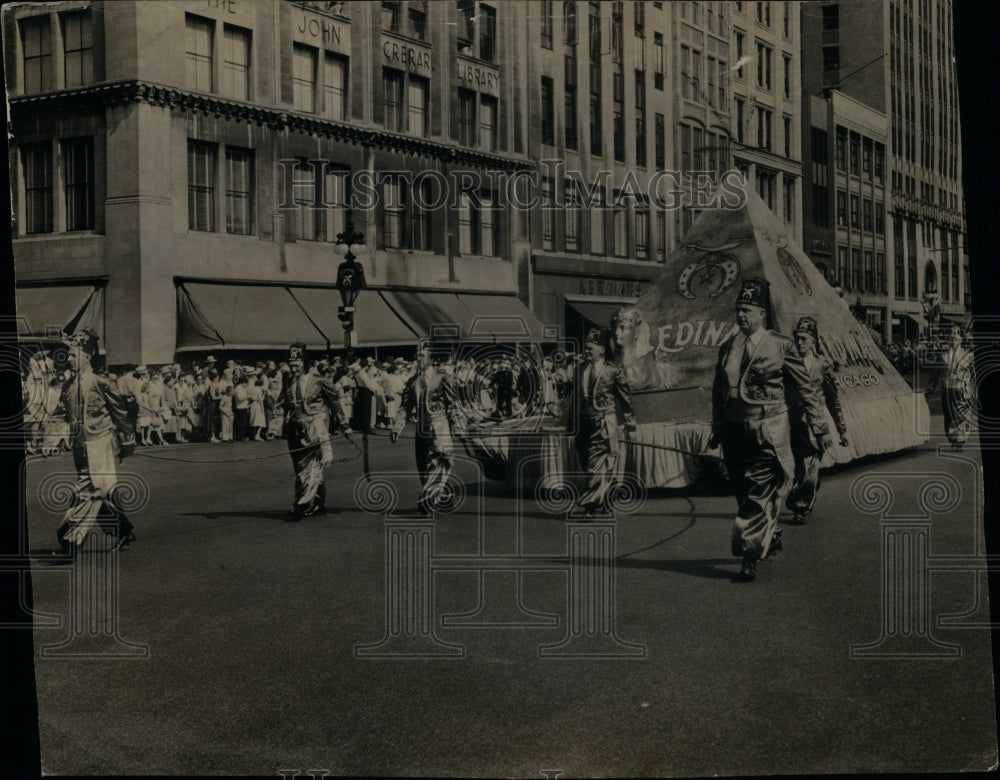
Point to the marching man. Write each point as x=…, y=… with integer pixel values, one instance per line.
x=100, y=432
x=805, y=446
x=307, y=399
x=750, y=421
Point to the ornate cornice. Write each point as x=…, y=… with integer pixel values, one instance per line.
x=101, y=96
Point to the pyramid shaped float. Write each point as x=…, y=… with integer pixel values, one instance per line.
x=687, y=313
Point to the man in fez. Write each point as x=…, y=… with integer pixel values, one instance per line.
x=750, y=421
x=599, y=383
x=100, y=430
x=805, y=446
x=307, y=399
x=429, y=400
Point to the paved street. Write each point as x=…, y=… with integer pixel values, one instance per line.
x=251, y=625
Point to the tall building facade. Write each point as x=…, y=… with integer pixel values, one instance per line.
x=897, y=57
x=600, y=128
x=186, y=167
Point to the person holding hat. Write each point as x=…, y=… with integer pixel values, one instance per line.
x=429, y=401
x=307, y=400
x=99, y=430
x=750, y=421
x=600, y=388
x=805, y=446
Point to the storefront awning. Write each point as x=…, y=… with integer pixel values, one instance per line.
x=917, y=318
x=597, y=313
x=242, y=316
x=48, y=311
x=964, y=321
x=375, y=323
x=465, y=316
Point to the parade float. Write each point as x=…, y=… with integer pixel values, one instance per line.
x=669, y=343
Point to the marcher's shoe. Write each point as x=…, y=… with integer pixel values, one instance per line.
x=799, y=518
x=776, y=546
x=314, y=510
x=749, y=571
x=123, y=542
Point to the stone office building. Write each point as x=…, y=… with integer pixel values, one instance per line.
x=182, y=170
x=897, y=57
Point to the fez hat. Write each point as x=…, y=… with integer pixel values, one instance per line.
x=755, y=292
x=297, y=351
x=85, y=339
x=808, y=325
x=210, y=359
x=594, y=336
x=141, y=369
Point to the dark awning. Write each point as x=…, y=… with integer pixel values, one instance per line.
x=598, y=313
x=465, y=316
x=242, y=316
x=375, y=323
x=51, y=310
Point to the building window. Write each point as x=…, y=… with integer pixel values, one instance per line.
x=723, y=78
x=239, y=191
x=764, y=12
x=786, y=62
x=763, y=128
x=302, y=221
x=639, y=14
x=880, y=280
x=661, y=142
x=841, y=208
x=831, y=17
x=619, y=216
x=879, y=161
x=786, y=21
x=765, y=187
x=417, y=90
x=78, y=162
x=37, y=159
x=866, y=157
x=488, y=123
x=710, y=80
x=418, y=24
x=763, y=66
x=394, y=212
x=787, y=135
x=657, y=60
x=466, y=117
x=641, y=231
x=640, y=119
x=78, y=49
x=618, y=126
x=596, y=214
x=569, y=22
x=855, y=143
x=548, y=112
x=572, y=217
x=739, y=53
x=841, y=149
x=489, y=224
x=685, y=149
x=879, y=218
x=304, y=78
x=336, y=199
x=867, y=215
x=788, y=184
x=596, y=139
x=820, y=206
x=392, y=98
x=570, y=117
x=420, y=216
x=843, y=277
x=201, y=186
x=236, y=63
x=548, y=212
x=487, y=33
x=661, y=236
x=740, y=119
x=390, y=15
x=198, y=55
x=855, y=269
x=698, y=150
x=477, y=226
x=36, y=41
x=334, y=86
x=855, y=212
x=831, y=59
x=546, y=14
x=685, y=71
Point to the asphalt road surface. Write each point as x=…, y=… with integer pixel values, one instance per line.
x=237, y=642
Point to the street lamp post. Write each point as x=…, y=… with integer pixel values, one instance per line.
x=350, y=283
